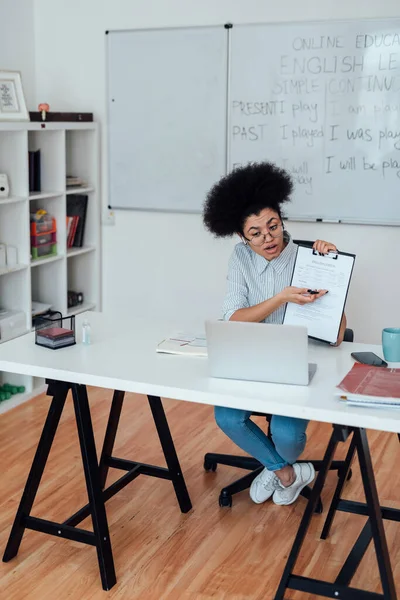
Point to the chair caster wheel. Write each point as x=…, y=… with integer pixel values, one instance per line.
x=319, y=509
x=209, y=466
x=225, y=500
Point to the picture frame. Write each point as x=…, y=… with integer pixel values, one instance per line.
x=12, y=99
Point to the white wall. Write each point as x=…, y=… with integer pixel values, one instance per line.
x=183, y=272
x=17, y=46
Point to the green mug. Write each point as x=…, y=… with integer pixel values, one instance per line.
x=391, y=344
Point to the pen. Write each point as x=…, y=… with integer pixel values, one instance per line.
x=313, y=292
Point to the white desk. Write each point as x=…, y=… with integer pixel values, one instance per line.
x=122, y=356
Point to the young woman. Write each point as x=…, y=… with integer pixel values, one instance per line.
x=248, y=202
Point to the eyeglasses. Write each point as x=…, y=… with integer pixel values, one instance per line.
x=274, y=231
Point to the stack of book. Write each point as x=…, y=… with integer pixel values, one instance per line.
x=75, y=182
x=371, y=386
x=55, y=337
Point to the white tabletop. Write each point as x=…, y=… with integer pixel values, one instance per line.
x=123, y=356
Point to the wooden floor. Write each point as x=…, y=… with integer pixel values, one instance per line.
x=159, y=553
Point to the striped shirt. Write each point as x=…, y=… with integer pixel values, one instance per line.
x=252, y=279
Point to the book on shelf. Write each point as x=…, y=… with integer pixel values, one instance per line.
x=61, y=116
x=77, y=207
x=72, y=224
x=75, y=182
x=181, y=343
x=365, y=385
x=34, y=171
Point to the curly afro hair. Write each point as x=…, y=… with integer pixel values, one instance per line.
x=245, y=191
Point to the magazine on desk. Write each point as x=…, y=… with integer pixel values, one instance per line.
x=184, y=344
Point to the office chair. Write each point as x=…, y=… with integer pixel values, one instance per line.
x=211, y=459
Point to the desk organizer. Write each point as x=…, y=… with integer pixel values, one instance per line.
x=43, y=251
x=55, y=332
x=43, y=236
x=45, y=224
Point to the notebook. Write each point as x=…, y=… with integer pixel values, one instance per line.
x=366, y=385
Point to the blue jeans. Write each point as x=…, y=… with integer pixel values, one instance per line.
x=288, y=434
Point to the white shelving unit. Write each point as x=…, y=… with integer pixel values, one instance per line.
x=65, y=148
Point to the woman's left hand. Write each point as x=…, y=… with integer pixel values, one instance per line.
x=324, y=247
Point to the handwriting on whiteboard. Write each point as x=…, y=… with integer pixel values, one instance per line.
x=337, y=94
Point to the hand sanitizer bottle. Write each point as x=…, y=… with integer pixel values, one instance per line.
x=86, y=331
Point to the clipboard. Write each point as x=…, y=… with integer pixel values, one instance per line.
x=331, y=271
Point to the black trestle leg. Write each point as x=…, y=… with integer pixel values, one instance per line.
x=339, y=488
x=111, y=432
x=375, y=515
x=171, y=457
x=307, y=516
x=355, y=557
x=372, y=530
x=59, y=392
x=95, y=475
x=95, y=494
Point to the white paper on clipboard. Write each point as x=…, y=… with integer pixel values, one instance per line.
x=330, y=272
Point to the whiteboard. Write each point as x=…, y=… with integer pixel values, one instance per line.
x=167, y=123
x=322, y=100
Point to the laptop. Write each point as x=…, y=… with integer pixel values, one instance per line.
x=259, y=352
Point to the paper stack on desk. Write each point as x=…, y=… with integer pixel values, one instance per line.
x=193, y=345
x=371, y=386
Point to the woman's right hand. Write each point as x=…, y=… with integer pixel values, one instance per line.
x=299, y=295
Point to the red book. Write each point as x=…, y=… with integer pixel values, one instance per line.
x=371, y=384
x=72, y=231
x=55, y=332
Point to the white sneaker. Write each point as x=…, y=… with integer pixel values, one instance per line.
x=305, y=473
x=263, y=486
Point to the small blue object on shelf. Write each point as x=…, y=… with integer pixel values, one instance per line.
x=55, y=332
